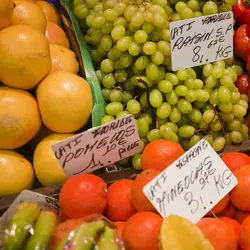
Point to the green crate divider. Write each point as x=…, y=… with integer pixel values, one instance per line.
x=99, y=104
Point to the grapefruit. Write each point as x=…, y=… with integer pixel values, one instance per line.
x=6, y=11
x=16, y=173
x=30, y=14
x=63, y=59
x=56, y=35
x=19, y=118
x=48, y=170
x=65, y=102
x=25, y=57
x=50, y=12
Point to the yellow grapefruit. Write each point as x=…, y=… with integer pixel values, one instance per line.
x=29, y=13
x=16, y=173
x=19, y=118
x=63, y=59
x=48, y=170
x=25, y=57
x=6, y=10
x=65, y=101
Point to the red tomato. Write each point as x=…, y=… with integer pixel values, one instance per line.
x=242, y=41
x=239, y=10
x=242, y=83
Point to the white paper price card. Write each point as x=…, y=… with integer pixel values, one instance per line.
x=98, y=147
x=201, y=40
x=192, y=185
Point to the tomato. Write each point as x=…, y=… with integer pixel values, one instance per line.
x=242, y=41
x=242, y=83
x=239, y=10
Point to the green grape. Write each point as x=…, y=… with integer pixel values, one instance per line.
x=234, y=75
x=137, y=19
x=187, y=13
x=136, y=162
x=121, y=75
x=211, y=81
x=152, y=71
x=224, y=94
x=164, y=48
x=114, y=54
x=107, y=66
x=198, y=83
x=106, y=119
x=162, y=72
x=166, y=132
x=144, y=99
x=91, y=3
x=123, y=43
x=208, y=90
x=157, y=58
x=236, y=136
x=142, y=62
x=114, y=108
x=122, y=114
x=108, y=81
x=106, y=94
x=182, y=74
x=120, y=21
x=148, y=27
x=191, y=73
x=209, y=139
x=199, y=105
x=110, y=15
x=163, y=111
x=208, y=116
x=194, y=5
x=107, y=27
x=184, y=106
x=134, y=49
x=238, y=70
x=225, y=107
x=148, y=16
x=140, y=36
x=153, y=134
x=129, y=12
x=161, y=121
x=183, y=121
x=98, y=21
x=181, y=90
x=172, y=78
x=77, y=2
x=243, y=103
x=202, y=95
x=128, y=85
x=219, y=143
x=234, y=125
x=194, y=140
x=207, y=70
x=214, y=97
x=207, y=106
x=210, y=8
x=155, y=98
x=125, y=59
x=198, y=14
x=239, y=111
x=165, y=86
x=203, y=125
x=227, y=81
x=120, y=8
x=235, y=97
x=165, y=35
x=132, y=28
x=216, y=126
x=147, y=117
x=175, y=115
x=180, y=6
x=173, y=126
x=106, y=42
x=81, y=11
x=186, y=131
x=172, y=98
x=133, y=107
x=244, y=97
x=190, y=83
x=159, y=21
x=195, y=115
x=244, y=129
x=227, y=117
x=118, y=32
x=191, y=95
x=116, y=95
x=143, y=127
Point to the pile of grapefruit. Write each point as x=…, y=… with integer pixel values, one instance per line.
x=42, y=99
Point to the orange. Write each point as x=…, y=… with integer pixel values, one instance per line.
x=56, y=35
x=241, y=216
x=29, y=13
x=120, y=227
x=16, y=173
x=65, y=101
x=63, y=59
x=120, y=206
x=240, y=195
x=234, y=160
x=245, y=234
x=219, y=207
x=83, y=195
x=141, y=231
x=159, y=154
x=234, y=224
x=221, y=236
x=25, y=57
x=229, y=211
x=139, y=199
x=19, y=117
x=50, y=12
x=6, y=11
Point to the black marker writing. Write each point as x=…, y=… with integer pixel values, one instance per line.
x=223, y=180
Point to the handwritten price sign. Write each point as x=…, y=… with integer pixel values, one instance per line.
x=201, y=40
x=98, y=147
x=192, y=185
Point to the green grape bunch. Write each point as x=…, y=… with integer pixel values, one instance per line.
x=129, y=42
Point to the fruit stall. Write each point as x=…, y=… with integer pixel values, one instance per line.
x=124, y=124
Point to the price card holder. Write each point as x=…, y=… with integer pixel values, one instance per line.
x=98, y=147
x=201, y=40
x=192, y=185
